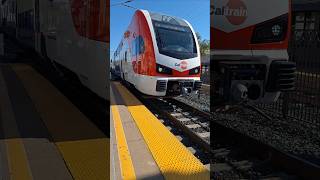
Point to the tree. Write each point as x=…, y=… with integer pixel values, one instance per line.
x=203, y=44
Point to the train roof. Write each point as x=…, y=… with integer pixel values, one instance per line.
x=168, y=19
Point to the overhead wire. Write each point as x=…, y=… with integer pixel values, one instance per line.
x=124, y=4
x=116, y=4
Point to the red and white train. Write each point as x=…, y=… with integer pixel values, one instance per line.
x=73, y=34
x=159, y=55
x=249, y=41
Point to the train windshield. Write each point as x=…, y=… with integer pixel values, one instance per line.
x=174, y=37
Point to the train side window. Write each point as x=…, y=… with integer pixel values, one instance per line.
x=137, y=46
x=141, y=45
x=125, y=56
x=133, y=47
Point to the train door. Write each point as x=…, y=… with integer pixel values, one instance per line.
x=125, y=67
x=65, y=50
x=122, y=69
x=139, y=59
x=41, y=26
x=51, y=30
x=130, y=68
x=127, y=63
x=25, y=29
x=37, y=26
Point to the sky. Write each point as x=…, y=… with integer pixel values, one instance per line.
x=196, y=12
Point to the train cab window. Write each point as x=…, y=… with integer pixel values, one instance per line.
x=174, y=37
x=175, y=41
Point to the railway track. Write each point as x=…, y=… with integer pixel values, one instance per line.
x=237, y=156
x=193, y=122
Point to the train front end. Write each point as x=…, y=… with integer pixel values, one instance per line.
x=177, y=65
x=249, y=50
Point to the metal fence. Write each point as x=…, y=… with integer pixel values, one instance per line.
x=302, y=105
x=205, y=76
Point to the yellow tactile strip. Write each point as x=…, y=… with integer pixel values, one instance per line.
x=126, y=166
x=18, y=165
x=83, y=146
x=17, y=159
x=86, y=159
x=173, y=158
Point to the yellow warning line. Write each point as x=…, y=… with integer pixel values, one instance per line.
x=126, y=166
x=173, y=158
x=18, y=163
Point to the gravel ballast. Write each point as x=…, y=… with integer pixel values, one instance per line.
x=286, y=134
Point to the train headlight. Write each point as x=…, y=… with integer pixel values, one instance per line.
x=274, y=30
x=163, y=69
x=194, y=71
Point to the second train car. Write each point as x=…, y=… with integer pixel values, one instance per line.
x=72, y=34
x=159, y=55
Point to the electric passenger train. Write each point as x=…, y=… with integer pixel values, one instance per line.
x=249, y=41
x=159, y=55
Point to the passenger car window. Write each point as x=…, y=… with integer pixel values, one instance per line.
x=137, y=46
x=141, y=45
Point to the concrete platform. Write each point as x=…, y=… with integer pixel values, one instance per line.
x=42, y=134
x=142, y=147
